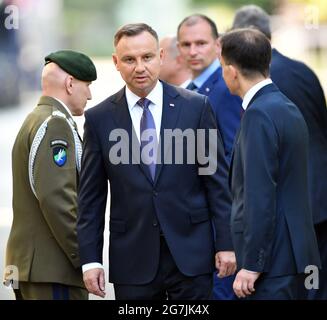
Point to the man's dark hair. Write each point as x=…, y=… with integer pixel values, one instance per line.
x=194, y=19
x=249, y=50
x=134, y=29
x=252, y=16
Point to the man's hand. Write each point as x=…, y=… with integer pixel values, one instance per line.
x=225, y=263
x=244, y=283
x=94, y=281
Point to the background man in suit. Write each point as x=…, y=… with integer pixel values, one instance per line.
x=199, y=46
x=162, y=215
x=45, y=160
x=270, y=211
x=173, y=68
x=198, y=43
x=299, y=83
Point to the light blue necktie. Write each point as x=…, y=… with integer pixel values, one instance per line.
x=147, y=122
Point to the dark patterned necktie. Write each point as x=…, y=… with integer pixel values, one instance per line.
x=147, y=123
x=192, y=86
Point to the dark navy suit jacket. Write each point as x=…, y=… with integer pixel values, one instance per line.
x=227, y=108
x=184, y=204
x=272, y=226
x=298, y=82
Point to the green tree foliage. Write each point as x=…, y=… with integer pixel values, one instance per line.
x=89, y=25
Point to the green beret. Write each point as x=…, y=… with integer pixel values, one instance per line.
x=75, y=63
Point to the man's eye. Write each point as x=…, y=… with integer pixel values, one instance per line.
x=129, y=60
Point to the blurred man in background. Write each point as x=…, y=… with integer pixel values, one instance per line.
x=173, y=68
x=198, y=43
x=299, y=83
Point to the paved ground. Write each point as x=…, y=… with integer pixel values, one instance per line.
x=10, y=121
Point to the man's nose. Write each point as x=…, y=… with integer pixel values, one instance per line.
x=193, y=49
x=139, y=66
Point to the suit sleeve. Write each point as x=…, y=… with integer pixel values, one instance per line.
x=56, y=188
x=259, y=145
x=216, y=180
x=92, y=197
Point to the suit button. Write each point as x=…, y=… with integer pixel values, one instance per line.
x=73, y=255
x=155, y=223
x=155, y=193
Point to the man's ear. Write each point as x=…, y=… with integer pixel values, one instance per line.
x=234, y=71
x=218, y=45
x=115, y=60
x=161, y=53
x=69, y=84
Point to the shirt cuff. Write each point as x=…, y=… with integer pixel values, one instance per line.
x=92, y=265
x=249, y=271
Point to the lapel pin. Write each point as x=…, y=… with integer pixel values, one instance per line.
x=207, y=89
x=171, y=105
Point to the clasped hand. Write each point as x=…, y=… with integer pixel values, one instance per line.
x=225, y=263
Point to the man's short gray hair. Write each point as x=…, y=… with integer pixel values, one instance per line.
x=252, y=16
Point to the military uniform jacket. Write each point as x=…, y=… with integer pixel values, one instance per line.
x=43, y=241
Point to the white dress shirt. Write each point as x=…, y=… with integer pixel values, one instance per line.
x=185, y=83
x=156, y=98
x=251, y=93
x=135, y=111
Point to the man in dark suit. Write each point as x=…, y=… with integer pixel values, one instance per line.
x=162, y=215
x=299, y=83
x=272, y=226
x=199, y=46
x=198, y=43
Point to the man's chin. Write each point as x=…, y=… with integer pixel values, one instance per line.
x=141, y=84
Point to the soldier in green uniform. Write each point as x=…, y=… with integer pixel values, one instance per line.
x=46, y=161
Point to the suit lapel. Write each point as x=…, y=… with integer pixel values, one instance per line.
x=171, y=107
x=208, y=86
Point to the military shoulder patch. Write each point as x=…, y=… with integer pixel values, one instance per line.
x=59, y=142
x=59, y=156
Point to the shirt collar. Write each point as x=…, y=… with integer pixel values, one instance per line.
x=155, y=96
x=251, y=93
x=204, y=76
x=65, y=106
